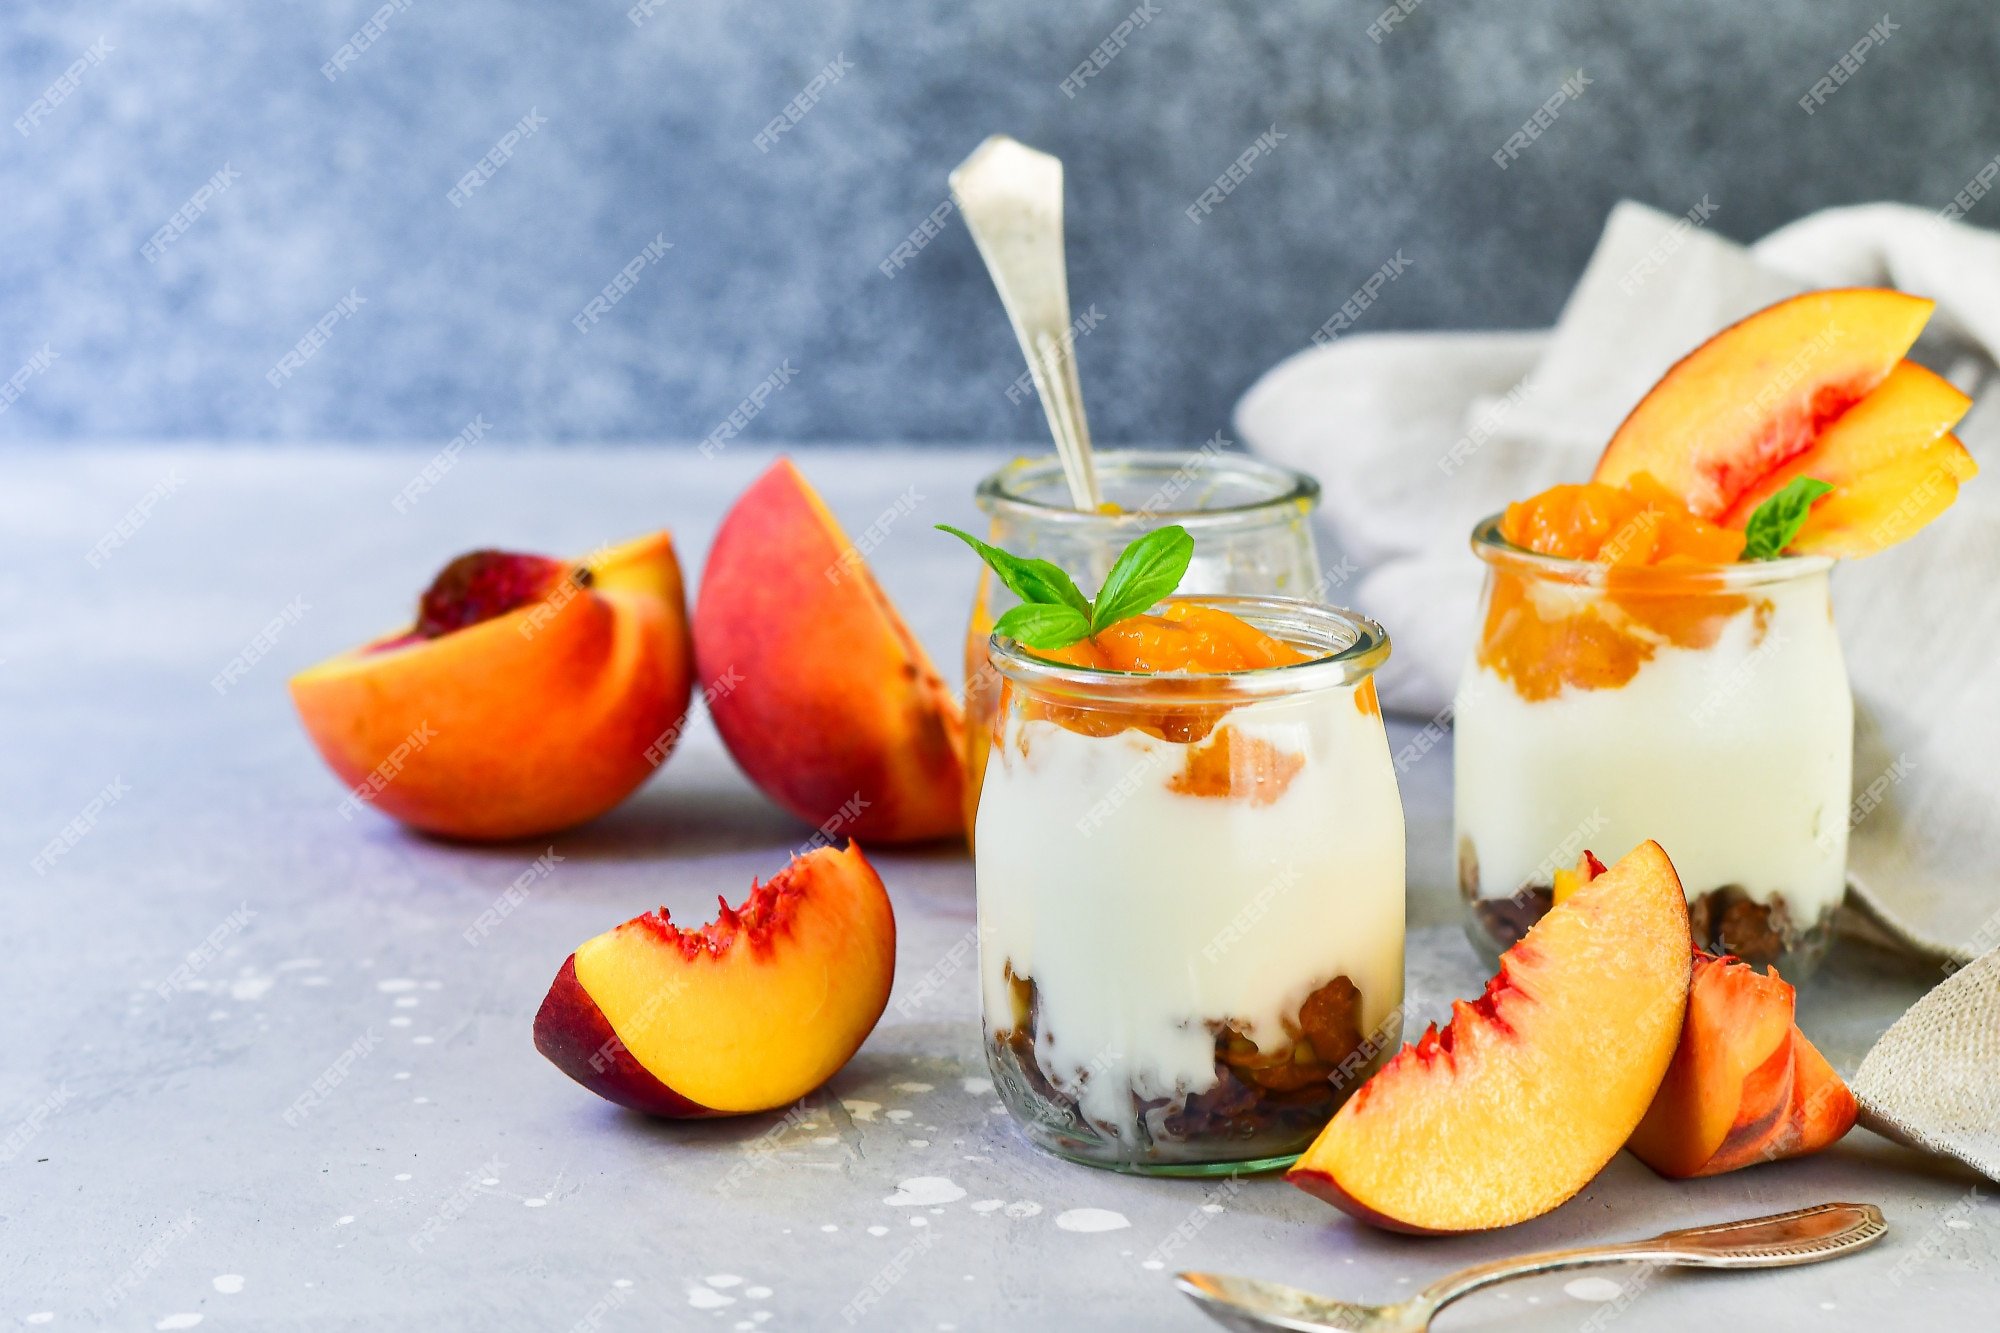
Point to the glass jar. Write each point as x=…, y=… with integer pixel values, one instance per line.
x=1706, y=708
x=1249, y=519
x=1190, y=892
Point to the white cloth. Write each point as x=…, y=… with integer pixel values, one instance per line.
x=1416, y=436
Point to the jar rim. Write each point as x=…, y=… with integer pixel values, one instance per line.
x=1489, y=545
x=1003, y=490
x=1358, y=646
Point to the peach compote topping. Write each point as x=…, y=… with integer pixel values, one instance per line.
x=1184, y=637
x=1541, y=647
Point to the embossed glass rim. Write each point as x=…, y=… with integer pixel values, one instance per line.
x=1497, y=551
x=1289, y=493
x=1348, y=648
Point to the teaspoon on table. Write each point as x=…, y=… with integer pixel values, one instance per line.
x=1807, y=1236
x=1011, y=197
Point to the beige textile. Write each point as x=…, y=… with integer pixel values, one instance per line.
x=1933, y=1080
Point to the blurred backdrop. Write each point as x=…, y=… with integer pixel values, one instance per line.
x=418, y=200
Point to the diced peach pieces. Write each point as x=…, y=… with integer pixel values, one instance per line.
x=1533, y=1087
x=1757, y=395
x=1745, y=1085
x=531, y=694
x=1639, y=522
x=1892, y=461
x=749, y=1012
x=1185, y=636
x=822, y=694
x=1567, y=882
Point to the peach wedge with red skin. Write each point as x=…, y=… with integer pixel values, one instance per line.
x=747, y=1013
x=1758, y=394
x=1515, y=1106
x=523, y=701
x=823, y=696
x=1745, y=1085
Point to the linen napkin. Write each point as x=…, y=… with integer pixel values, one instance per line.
x=1415, y=436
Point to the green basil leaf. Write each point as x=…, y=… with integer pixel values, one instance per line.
x=1149, y=569
x=1777, y=521
x=1036, y=582
x=1039, y=625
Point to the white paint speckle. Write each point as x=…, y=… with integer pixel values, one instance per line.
x=1092, y=1219
x=250, y=988
x=878, y=1231
x=621, y=1281
x=313, y=981
x=403, y=1175
x=41, y=1317
x=977, y=1087
x=827, y=1139
x=863, y=1111
x=1598, y=1289
x=433, y=985
x=408, y=1002
x=829, y=1227
x=913, y=1087
x=1153, y=1264
x=179, y=1321
x=402, y=1075
x=422, y=1041
x=1211, y=1208
x=987, y=1205
x=923, y=1191
x=395, y=985
x=743, y=1326
x=920, y=1143
x=345, y=1220
x=420, y=1101
x=723, y=1281
x=399, y=1022
x=1022, y=1208
x=1827, y=1305
x=217, y=1015
x=534, y=1203
x=491, y=1180
x=1957, y=1223
x=707, y=1298
x=920, y=1221
x=761, y=1315
x=757, y=1294
x=229, y=1284
x=899, y=1115
x=294, y=964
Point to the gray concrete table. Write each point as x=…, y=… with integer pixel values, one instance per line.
x=149, y=1177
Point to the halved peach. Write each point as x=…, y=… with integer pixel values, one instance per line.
x=824, y=697
x=1757, y=394
x=1745, y=1085
x=1533, y=1087
x=1892, y=461
x=749, y=1012
x=525, y=698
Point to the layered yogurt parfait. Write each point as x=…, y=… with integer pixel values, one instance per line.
x=1190, y=880
x=1657, y=656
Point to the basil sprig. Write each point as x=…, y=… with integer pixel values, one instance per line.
x=1054, y=613
x=1776, y=523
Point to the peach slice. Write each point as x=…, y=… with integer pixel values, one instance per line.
x=1533, y=1087
x=824, y=697
x=1745, y=1085
x=525, y=699
x=749, y=1012
x=1892, y=461
x=1757, y=394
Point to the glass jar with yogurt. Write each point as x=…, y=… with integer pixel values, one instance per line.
x=1190, y=896
x=1249, y=519
x=1703, y=706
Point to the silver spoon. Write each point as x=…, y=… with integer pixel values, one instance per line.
x=1803, y=1237
x=1011, y=197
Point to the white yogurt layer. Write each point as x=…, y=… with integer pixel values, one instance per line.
x=1736, y=759
x=1142, y=914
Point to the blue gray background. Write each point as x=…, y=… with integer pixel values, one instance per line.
x=650, y=127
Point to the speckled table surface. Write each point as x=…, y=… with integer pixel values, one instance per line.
x=149, y=1177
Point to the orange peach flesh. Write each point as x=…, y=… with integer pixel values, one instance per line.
x=822, y=694
x=531, y=721
x=1745, y=1085
x=1534, y=1086
x=1185, y=636
x=1757, y=394
x=761, y=1006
